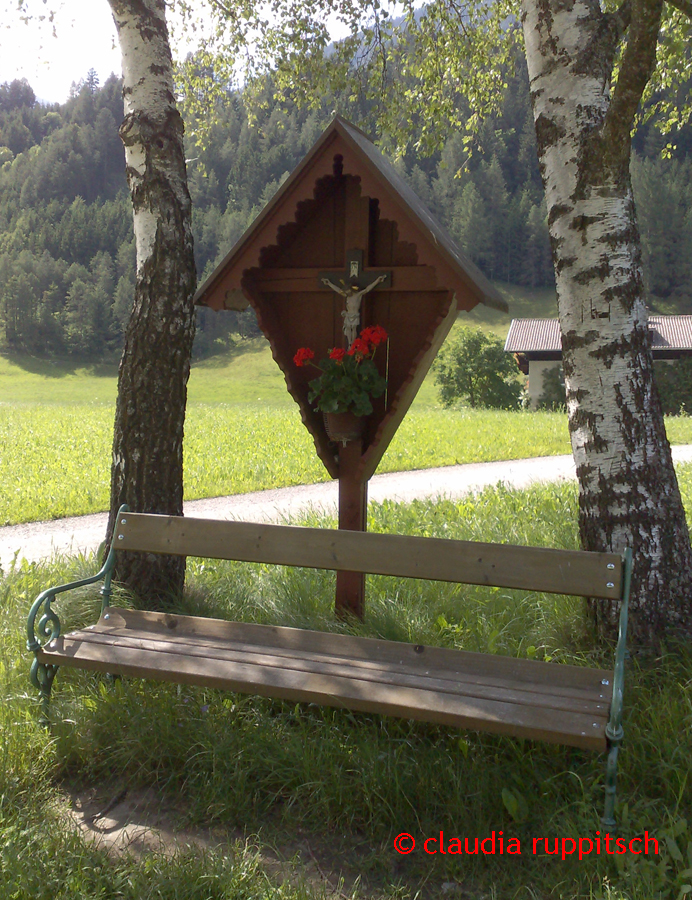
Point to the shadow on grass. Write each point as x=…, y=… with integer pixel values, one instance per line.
x=60, y=367
x=224, y=357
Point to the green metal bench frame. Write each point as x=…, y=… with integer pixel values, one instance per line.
x=44, y=629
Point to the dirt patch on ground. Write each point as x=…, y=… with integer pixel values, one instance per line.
x=126, y=821
x=139, y=821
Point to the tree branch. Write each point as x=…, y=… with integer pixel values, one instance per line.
x=622, y=17
x=225, y=9
x=638, y=63
x=684, y=6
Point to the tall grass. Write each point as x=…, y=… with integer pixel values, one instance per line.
x=351, y=782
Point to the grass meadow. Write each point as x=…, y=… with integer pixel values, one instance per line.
x=243, y=433
x=312, y=784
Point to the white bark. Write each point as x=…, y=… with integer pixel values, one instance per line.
x=148, y=94
x=628, y=491
x=147, y=471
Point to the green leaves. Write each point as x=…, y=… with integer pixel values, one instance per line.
x=515, y=804
x=346, y=385
x=415, y=77
x=473, y=366
x=349, y=379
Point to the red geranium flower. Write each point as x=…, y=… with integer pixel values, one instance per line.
x=337, y=353
x=374, y=334
x=303, y=355
x=359, y=346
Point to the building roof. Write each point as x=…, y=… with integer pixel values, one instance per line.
x=379, y=179
x=531, y=335
x=538, y=336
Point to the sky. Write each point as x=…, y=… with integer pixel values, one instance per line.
x=86, y=39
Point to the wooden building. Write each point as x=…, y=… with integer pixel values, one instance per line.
x=536, y=345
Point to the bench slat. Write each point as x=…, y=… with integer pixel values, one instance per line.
x=500, y=565
x=346, y=646
x=367, y=682
x=596, y=693
x=559, y=726
x=429, y=679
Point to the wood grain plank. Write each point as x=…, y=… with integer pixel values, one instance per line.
x=298, y=641
x=335, y=645
x=404, y=278
x=474, y=713
x=411, y=385
x=426, y=679
x=500, y=565
x=568, y=680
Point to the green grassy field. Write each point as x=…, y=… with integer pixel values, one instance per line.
x=334, y=787
x=317, y=786
x=243, y=433
x=245, y=375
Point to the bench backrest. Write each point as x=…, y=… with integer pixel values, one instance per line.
x=499, y=565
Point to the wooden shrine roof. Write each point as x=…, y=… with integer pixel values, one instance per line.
x=380, y=180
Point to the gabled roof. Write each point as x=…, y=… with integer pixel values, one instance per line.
x=536, y=336
x=378, y=179
x=531, y=335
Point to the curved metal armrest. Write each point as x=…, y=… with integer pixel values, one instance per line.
x=48, y=626
x=614, y=727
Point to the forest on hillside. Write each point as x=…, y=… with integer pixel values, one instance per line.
x=67, y=249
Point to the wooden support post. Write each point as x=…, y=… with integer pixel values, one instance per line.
x=353, y=510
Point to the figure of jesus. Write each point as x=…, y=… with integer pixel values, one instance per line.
x=351, y=314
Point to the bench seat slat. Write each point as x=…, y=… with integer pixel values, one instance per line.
x=388, y=674
x=473, y=713
x=431, y=697
x=346, y=646
x=595, y=695
x=436, y=559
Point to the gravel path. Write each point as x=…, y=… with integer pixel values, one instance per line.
x=39, y=540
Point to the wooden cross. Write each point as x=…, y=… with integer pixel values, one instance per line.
x=353, y=284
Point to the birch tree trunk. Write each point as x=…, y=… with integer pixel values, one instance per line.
x=147, y=467
x=628, y=488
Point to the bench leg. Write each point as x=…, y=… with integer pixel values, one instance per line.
x=608, y=820
x=613, y=731
x=42, y=676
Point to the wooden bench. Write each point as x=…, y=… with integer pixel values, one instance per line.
x=571, y=705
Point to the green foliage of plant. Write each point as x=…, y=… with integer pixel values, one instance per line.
x=350, y=379
x=473, y=366
x=346, y=385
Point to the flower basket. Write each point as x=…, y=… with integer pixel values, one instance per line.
x=344, y=427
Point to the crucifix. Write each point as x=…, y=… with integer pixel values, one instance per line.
x=353, y=285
